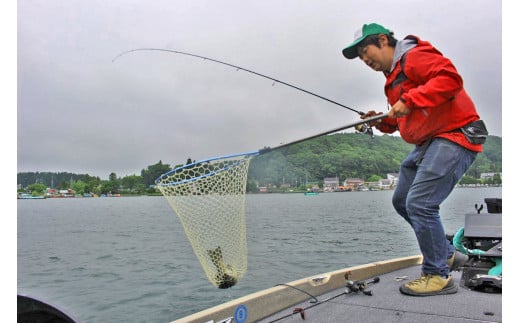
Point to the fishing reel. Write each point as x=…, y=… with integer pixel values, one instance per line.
x=360, y=286
x=365, y=129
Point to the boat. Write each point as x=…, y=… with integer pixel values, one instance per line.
x=370, y=292
x=27, y=196
x=311, y=193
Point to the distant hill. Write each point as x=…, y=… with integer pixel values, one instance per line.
x=51, y=179
x=350, y=155
x=346, y=155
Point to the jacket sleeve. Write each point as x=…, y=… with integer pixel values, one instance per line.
x=436, y=78
x=387, y=125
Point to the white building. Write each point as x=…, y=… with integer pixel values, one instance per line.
x=330, y=184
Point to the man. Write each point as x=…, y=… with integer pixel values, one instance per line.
x=430, y=109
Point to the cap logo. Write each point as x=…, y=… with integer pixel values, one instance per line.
x=358, y=34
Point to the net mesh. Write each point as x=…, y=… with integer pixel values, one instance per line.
x=209, y=199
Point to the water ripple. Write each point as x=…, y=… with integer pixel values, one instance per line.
x=128, y=260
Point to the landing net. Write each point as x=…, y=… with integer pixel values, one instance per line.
x=209, y=199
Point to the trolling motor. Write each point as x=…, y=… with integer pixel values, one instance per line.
x=481, y=240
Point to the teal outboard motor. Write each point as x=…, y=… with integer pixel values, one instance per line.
x=481, y=241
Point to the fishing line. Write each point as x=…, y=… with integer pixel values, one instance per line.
x=238, y=68
x=209, y=196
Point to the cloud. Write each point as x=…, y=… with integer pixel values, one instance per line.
x=80, y=112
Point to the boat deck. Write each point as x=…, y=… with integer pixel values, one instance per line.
x=388, y=305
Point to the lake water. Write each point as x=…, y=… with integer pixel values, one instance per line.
x=127, y=259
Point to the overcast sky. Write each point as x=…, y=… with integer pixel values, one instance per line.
x=79, y=111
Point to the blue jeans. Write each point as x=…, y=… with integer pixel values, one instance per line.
x=421, y=190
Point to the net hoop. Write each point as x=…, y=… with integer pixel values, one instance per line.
x=161, y=179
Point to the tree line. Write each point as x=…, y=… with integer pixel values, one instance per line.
x=344, y=155
x=351, y=155
x=38, y=182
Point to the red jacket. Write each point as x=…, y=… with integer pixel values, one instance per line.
x=433, y=89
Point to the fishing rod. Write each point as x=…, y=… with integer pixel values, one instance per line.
x=352, y=287
x=238, y=68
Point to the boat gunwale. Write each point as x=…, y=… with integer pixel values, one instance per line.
x=266, y=302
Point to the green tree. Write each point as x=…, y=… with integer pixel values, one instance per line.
x=93, y=184
x=139, y=188
x=108, y=187
x=79, y=187
x=114, y=183
x=465, y=180
x=64, y=185
x=133, y=183
x=112, y=177
x=374, y=178
x=37, y=189
x=251, y=187
x=152, y=172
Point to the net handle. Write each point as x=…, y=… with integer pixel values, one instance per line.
x=268, y=149
x=350, y=125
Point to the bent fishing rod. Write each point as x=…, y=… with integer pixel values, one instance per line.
x=238, y=68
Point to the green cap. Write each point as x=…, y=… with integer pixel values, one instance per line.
x=367, y=30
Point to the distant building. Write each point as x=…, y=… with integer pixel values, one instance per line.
x=393, y=178
x=385, y=183
x=330, y=184
x=485, y=176
x=66, y=193
x=51, y=192
x=353, y=183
